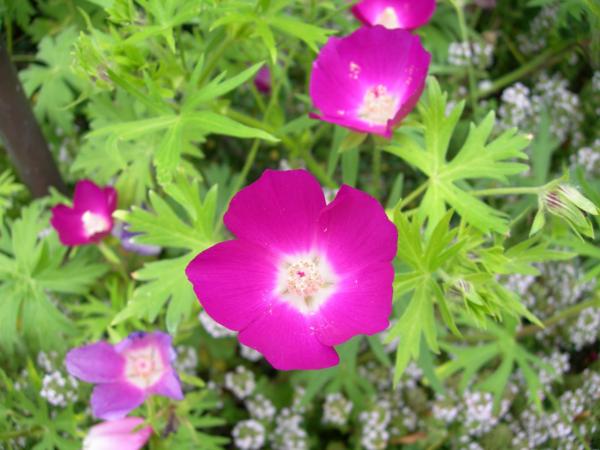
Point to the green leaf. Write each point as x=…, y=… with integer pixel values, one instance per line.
x=480, y=157
x=310, y=34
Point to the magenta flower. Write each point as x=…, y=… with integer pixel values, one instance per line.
x=90, y=218
x=262, y=81
x=123, y=434
x=126, y=373
x=302, y=275
x=393, y=14
x=370, y=80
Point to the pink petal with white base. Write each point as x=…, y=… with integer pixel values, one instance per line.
x=115, y=400
x=123, y=434
x=393, y=14
x=288, y=340
x=277, y=211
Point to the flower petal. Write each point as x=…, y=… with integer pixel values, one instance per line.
x=409, y=14
x=362, y=304
x=349, y=70
x=355, y=232
x=115, y=400
x=168, y=386
x=118, y=434
x=95, y=363
x=69, y=226
x=287, y=340
x=234, y=281
x=91, y=197
x=278, y=211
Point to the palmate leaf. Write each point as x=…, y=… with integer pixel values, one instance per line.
x=182, y=219
x=478, y=158
x=504, y=353
x=53, y=85
x=32, y=269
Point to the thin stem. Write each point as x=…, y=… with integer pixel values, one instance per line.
x=559, y=317
x=19, y=433
x=458, y=6
x=414, y=194
x=303, y=151
x=376, y=170
x=535, y=190
x=241, y=179
x=547, y=58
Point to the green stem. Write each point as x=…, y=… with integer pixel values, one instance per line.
x=241, y=179
x=414, y=194
x=303, y=151
x=547, y=58
x=458, y=6
x=562, y=315
x=535, y=190
x=9, y=36
x=376, y=171
x=19, y=433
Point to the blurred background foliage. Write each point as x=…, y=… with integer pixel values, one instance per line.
x=494, y=341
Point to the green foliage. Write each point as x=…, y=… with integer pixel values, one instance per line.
x=53, y=85
x=478, y=158
x=33, y=270
x=183, y=220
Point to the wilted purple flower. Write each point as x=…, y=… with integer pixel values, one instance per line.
x=392, y=14
x=370, y=80
x=127, y=238
x=118, y=434
x=126, y=373
x=262, y=81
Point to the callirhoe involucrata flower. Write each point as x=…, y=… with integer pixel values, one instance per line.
x=122, y=434
x=89, y=220
x=302, y=275
x=393, y=14
x=126, y=373
x=370, y=80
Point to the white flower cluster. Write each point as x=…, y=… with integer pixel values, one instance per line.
x=479, y=417
x=377, y=374
x=336, y=409
x=523, y=108
x=241, y=382
x=213, y=328
x=374, y=426
x=531, y=431
x=560, y=365
x=516, y=107
x=261, y=408
x=249, y=353
x=586, y=328
x=588, y=158
x=289, y=434
x=187, y=359
x=478, y=54
x=47, y=361
x=541, y=25
x=249, y=435
x=58, y=389
x=446, y=409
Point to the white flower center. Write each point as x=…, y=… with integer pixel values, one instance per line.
x=305, y=282
x=94, y=223
x=388, y=18
x=144, y=366
x=378, y=106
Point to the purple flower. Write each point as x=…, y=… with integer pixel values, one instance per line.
x=118, y=434
x=393, y=14
x=262, y=81
x=302, y=275
x=90, y=218
x=370, y=80
x=126, y=373
x=127, y=238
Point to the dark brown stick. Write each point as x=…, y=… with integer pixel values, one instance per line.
x=21, y=134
